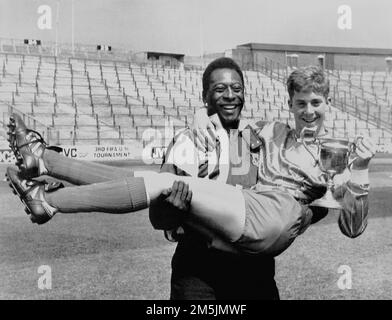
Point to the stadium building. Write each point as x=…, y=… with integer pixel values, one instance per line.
x=252, y=55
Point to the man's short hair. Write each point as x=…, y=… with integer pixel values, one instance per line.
x=220, y=63
x=311, y=78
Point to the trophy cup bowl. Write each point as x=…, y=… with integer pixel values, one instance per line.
x=333, y=158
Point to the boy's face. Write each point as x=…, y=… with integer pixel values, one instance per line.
x=225, y=95
x=309, y=110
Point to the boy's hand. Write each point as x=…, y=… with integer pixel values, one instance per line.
x=365, y=150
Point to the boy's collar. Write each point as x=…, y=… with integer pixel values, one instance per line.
x=296, y=136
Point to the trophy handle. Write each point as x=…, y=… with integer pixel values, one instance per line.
x=309, y=134
x=353, y=147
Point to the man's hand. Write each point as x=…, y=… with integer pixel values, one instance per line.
x=364, y=150
x=171, y=206
x=204, y=129
x=180, y=196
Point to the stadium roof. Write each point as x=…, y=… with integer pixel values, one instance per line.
x=316, y=49
x=157, y=53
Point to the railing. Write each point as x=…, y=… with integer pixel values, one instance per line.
x=356, y=87
x=48, y=48
x=83, y=52
x=362, y=109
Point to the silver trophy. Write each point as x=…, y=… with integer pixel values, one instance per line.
x=333, y=157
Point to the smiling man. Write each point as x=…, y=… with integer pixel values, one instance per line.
x=199, y=270
x=224, y=95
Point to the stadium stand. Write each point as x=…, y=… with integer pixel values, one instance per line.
x=98, y=101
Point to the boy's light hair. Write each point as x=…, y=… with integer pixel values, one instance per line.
x=311, y=78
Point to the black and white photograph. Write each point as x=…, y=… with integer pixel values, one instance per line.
x=193, y=150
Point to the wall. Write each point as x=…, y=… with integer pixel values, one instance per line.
x=366, y=62
x=254, y=59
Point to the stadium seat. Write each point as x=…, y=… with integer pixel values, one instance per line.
x=129, y=132
x=141, y=121
x=138, y=110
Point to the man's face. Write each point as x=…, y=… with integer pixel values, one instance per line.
x=309, y=110
x=225, y=95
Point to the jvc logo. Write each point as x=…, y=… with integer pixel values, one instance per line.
x=70, y=152
x=158, y=152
